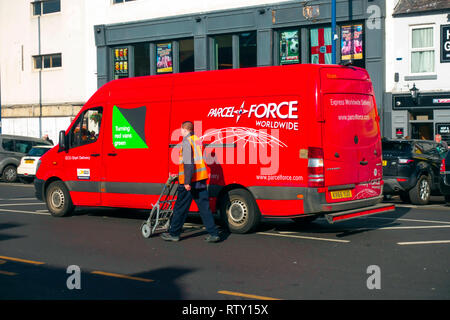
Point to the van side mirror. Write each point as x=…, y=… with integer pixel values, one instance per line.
x=63, y=146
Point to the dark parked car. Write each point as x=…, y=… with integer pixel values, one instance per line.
x=12, y=149
x=445, y=178
x=411, y=169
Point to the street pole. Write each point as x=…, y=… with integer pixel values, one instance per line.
x=333, y=31
x=40, y=77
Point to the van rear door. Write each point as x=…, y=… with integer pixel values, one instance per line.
x=352, y=146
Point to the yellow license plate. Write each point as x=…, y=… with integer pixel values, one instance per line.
x=384, y=163
x=29, y=161
x=341, y=194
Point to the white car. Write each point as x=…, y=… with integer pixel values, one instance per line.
x=26, y=171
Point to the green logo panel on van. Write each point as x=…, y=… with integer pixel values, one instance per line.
x=128, y=128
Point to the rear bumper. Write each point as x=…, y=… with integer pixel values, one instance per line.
x=358, y=213
x=39, y=189
x=392, y=185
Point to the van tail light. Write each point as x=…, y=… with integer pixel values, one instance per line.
x=405, y=161
x=442, y=169
x=316, y=178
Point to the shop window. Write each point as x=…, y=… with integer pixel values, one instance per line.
x=47, y=61
x=320, y=44
x=141, y=59
x=289, y=47
x=247, y=50
x=121, y=62
x=186, y=55
x=422, y=50
x=223, y=46
x=45, y=7
x=352, y=44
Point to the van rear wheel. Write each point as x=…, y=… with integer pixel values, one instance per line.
x=58, y=199
x=239, y=211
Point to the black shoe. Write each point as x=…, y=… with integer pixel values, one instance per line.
x=168, y=237
x=211, y=238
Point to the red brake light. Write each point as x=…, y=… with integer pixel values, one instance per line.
x=316, y=178
x=442, y=169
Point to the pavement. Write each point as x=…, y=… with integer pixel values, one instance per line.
x=99, y=253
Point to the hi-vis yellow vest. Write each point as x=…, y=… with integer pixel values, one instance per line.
x=200, y=172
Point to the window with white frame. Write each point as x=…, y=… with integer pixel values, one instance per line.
x=46, y=6
x=422, y=49
x=120, y=1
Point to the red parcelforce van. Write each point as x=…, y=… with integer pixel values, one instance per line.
x=295, y=141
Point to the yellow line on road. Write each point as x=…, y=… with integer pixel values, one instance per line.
x=122, y=276
x=22, y=260
x=245, y=295
x=7, y=273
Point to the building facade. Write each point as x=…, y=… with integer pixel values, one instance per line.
x=418, y=69
x=60, y=51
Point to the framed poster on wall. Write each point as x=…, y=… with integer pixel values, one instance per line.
x=164, y=58
x=289, y=47
x=352, y=42
x=121, y=62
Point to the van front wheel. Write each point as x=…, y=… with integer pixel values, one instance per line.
x=58, y=199
x=239, y=211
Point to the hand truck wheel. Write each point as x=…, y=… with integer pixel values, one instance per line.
x=146, y=230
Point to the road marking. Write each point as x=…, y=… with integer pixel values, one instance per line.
x=409, y=227
x=245, y=295
x=21, y=211
x=300, y=237
x=22, y=260
x=7, y=273
x=16, y=199
x=423, y=242
x=411, y=220
x=122, y=276
x=20, y=204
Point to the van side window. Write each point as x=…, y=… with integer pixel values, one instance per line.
x=8, y=145
x=23, y=146
x=86, y=128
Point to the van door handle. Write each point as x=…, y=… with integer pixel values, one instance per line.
x=364, y=163
x=112, y=154
x=95, y=155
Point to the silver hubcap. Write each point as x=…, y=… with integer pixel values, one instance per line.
x=57, y=199
x=238, y=212
x=424, y=190
x=146, y=230
x=10, y=174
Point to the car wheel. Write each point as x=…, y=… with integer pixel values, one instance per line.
x=421, y=192
x=239, y=211
x=58, y=199
x=10, y=174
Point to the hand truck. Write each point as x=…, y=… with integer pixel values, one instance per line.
x=162, y=210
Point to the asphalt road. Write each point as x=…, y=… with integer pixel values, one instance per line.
x=400, y=255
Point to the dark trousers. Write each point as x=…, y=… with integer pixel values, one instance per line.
x=182, y=205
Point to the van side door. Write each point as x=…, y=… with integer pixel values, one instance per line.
x=82, y=168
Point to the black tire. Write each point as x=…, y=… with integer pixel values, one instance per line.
x=302, y=221
x=58, y=199
x=239, y=211
x=26, y=180
x=421, y=192
x=404, y=196
x=9, y=173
